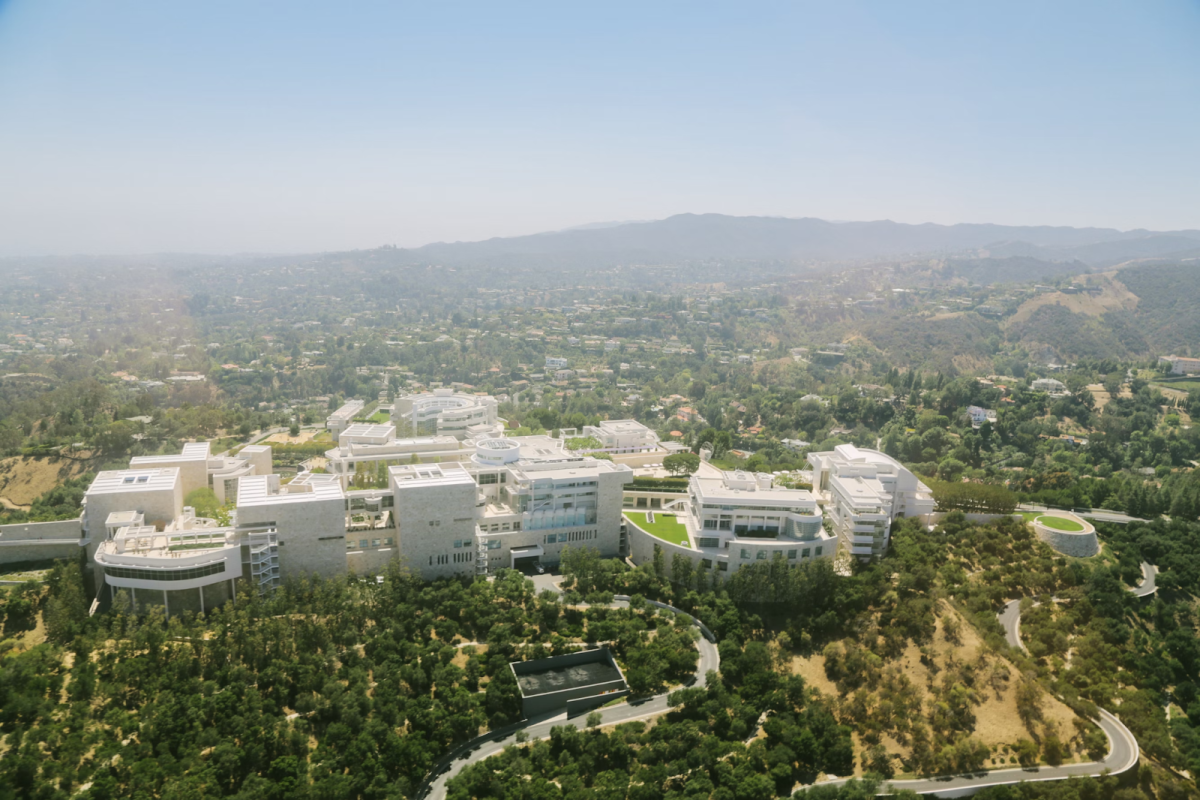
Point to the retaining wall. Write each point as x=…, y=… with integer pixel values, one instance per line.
x=1077, y=544
x=38, y=541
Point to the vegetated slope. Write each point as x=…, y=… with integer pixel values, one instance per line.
x=1013, y=269
x=914, y=681
x=1168, y=311
x=24, y=478
x=1055, y=329
x=1107, y=252
x=933, y=344
x=1104, y=294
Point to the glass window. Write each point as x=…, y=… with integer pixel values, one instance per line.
x=745, y=553
x=706, y=563
x=762, y=555
x=805, y=552
x=362, y=542
x=723, y=566
x=710, y=524
x=791, y=553
x=388, y=541
x=818, y=551
x=374, y=543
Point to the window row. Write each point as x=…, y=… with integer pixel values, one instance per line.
x=133, y=573
x=361, y=544
x=570, y=536
x=762, y=555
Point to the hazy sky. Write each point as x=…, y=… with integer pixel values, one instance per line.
x=145, y=126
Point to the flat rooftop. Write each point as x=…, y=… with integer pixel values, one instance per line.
x=858, y=488
x=418, y=475
x=623, y=426
x=373, y=431
x=557, y=679
x=192, y=451
x=134, y=480
x=564, y=467
x=256, y=490
x=718, y=490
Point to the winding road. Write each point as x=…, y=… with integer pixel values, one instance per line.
x=1123, y=752
x=494, y=742
x=1010, y=617
x=1122, y=755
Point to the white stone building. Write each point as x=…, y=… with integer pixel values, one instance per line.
x=444, y=412
x=341, y=419
x=198, y=469
x=980, y=415
x=863, y=492
x=1051, y=386
x=1181, y=365
x=623, y=436
x=730, y=519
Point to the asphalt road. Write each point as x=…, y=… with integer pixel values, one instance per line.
x=1149, y=585
x=1098, y=514
x=1122, y=755
x=540, y=728
x=1010, y=618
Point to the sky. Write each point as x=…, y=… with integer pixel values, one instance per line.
x=138, y=126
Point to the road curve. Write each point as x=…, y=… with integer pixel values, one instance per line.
x=1010, y=619
x=493, y=742
x=1149, y=583
x=1123, y=752
x=1010, y=616
x=1122, y=755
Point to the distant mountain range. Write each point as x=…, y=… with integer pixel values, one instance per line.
x=707, y=237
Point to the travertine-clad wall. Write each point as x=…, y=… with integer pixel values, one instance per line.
x=371, y=560
x=193, y=472
x=1077, y=544
x=36, y=541
x=159, y=506
x=430, y=519
x=312, y=533
x=610, y=497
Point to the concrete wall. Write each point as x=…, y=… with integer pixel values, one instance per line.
x=640, y=459
x=938, y=516
x=557, y=701
x=37, y=541
x=637, y=499
x=1077, y=544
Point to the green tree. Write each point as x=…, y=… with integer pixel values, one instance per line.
x=682, y=463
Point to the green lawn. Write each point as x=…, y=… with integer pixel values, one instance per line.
x=665, y=526
x=1060, y=523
